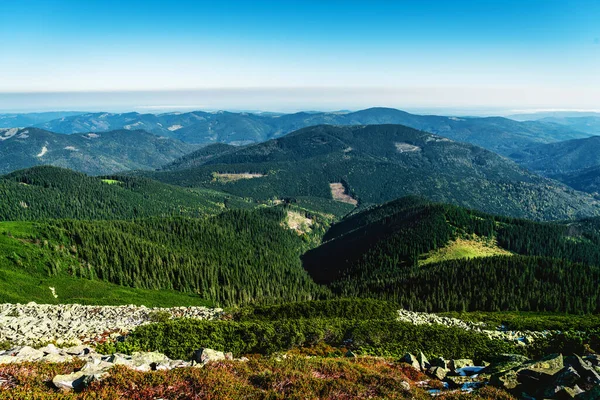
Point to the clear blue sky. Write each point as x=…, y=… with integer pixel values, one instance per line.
x=324, y=54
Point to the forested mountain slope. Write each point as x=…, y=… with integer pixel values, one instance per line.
x=586, y=180
x=92, y=153
x=378, y=163
x=566, y=157
x=235, y=257
x=501, y=135
x=587, y=123
x=199, y=157
x=51, y=192
x=439, y=257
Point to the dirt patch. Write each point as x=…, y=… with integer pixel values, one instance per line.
x=406, y=147
x=298, y=222
x=226, y=177
x=338, y=191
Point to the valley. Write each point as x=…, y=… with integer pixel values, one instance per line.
x=351, y=245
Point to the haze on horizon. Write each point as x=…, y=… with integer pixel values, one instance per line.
x=476, y=56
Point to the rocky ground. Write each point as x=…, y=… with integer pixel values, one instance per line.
x=75, y=329
x=552, y=377
x=97, y=366
x=519, y=337
x=35, y=324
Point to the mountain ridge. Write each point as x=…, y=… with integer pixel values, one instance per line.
x=377, y=163
x=498, y=134
x=93, y=153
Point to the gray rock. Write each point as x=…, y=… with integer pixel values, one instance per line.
x=80, y=350
x=76, y=381
x=203, y=356
x=506, y=380
x=423, y=362
x=453, y=365
x=585, y=369
x=148, y=361
x=411, y=360
x=57, y=358
x=49, y=349
x=438, y=372
x=27, y=353
x=568, y=392
x=438, y=362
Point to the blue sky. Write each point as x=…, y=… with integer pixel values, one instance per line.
x=300, y=54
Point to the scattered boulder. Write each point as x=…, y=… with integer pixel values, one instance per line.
x=506, y=380
x=50, y=349
x=585, y=368
x=80, y=350
x=438, y=372
x=438, y=362
x=76, y=381
x=423, y=362
x=203, y=356
x=27, y=353
x=505, y=362
x=411, y=360
x=552, y=377
x=148, y=361
x=453, y=365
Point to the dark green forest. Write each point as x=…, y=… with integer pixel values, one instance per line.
x=378, y=253
x=51, y=193
x=380, y=163
x=233, y=258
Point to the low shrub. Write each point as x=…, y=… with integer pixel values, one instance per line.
x=355, y=309
x=179, y=338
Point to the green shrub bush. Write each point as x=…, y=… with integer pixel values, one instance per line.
x=179, y=338
x=355, y=309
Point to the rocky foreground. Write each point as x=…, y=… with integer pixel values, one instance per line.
x=35, y=324
x=97, y=366
x=552, y=377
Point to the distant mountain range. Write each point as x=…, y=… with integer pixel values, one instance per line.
x=589, y=124
x=16, y=120
x=377, y=163
x=92, y=153
x=498, y=134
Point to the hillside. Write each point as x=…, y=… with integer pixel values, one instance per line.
x=501, y=135
x=406, y=251
x=586, y=180
x=378, y=163
x=235, y=257
x=588, y=124
x=19, y=120
x=92, y=153
x=51, y=192
x=199, y=157
x=562, y=157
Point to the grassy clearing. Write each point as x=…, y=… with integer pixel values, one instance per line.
x=472, y=247
x=112, y=181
